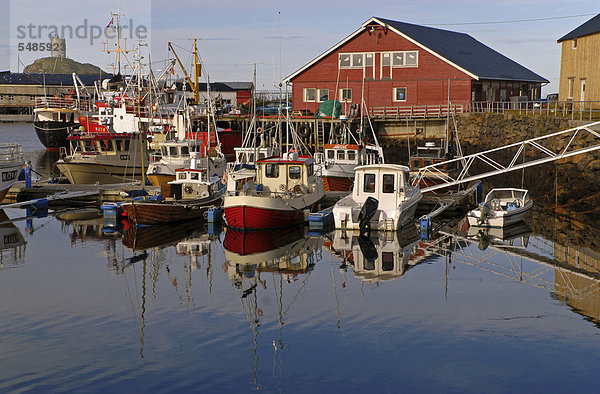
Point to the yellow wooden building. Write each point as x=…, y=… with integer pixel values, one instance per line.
x=580, y=63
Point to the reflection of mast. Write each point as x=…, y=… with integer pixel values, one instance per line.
x=143, y=310
x=337, y=303
x=253, y=315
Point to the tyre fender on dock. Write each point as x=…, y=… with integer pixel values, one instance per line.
x=303, y=130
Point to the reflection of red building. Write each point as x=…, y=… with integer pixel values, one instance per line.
x=400, y=64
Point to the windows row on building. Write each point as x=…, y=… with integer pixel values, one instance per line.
x=312, y=95
x=388, y=59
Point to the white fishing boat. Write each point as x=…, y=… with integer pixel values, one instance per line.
x=344, y=152
x=336, y=164
x=11, y=163
x=501, y=207
x=102, y=158
x=382, y=199
x=178, y=154
x=277, y=196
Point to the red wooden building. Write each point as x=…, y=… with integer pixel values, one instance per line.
x=401, y=64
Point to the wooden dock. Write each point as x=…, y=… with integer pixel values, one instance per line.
x=76, y=194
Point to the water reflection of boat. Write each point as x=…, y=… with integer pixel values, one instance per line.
x=196, y=246
x=286, y=257
x=12, y=243
x=508, y=234
x=139, y=238
x=78, y=215
x=379, y=257
x=276, y=250
x=83, y=223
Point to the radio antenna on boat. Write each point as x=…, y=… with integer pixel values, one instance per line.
x=116, y=17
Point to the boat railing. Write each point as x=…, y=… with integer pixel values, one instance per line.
x=155, y=157
x=63, y=103
x=10, y=152
x=269, y=193
x=319, y=158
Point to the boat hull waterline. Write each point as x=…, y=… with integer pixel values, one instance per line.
x=145, y=212
x=53, y=134
x=98, y=173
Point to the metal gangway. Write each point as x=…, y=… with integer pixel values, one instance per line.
x=514, y=156
x=513, y=261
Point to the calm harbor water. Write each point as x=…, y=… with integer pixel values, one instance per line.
x=192, y=308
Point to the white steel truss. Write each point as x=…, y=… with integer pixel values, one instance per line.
x=528, y=153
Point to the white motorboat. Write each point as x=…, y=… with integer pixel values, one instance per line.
x=382, y=199
x=501, y=207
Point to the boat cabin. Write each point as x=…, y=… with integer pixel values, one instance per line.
x=283, y=174
x=350, y=154
x=176, y=150
x=247, y=155
x=65, y=115
x=385, y=182
x=106, y=143
x=193, y=184
x=431, y=154
x=507, y=199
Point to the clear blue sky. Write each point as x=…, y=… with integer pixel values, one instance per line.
x=285, y=35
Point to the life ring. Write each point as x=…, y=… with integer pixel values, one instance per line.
x=338, y=130
x=188, y=189
x=259, y=130
x=303, y=131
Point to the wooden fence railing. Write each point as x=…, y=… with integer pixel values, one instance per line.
x=574, y=110
x=417, y=111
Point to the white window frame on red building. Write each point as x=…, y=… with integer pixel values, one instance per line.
x=395, y=94
x=320, y=95
x=305, y=95
x=342, y=99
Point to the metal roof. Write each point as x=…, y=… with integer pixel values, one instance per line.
x=10, y=78
x=590, y=27
x=466, y=52
x=457, y=49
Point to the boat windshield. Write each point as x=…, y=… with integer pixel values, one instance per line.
x=294, y=172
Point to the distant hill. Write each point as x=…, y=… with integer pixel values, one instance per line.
x=55, y=65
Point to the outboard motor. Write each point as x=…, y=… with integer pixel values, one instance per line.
x=367, y=248
x=484, y=212
x=366, y=213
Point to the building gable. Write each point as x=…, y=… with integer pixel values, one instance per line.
x=457, y=49
x=590, y=27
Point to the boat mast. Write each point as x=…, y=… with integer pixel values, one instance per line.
x=118, y=50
